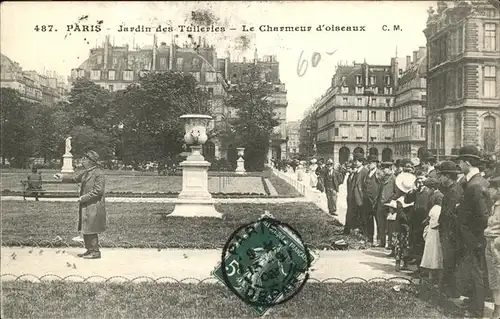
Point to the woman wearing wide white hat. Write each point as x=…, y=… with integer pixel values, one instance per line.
x=399, y=215
x=312, y=173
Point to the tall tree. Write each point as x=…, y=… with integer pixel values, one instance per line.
x=16, y=129
x=255, y=119
x=150, y=111
x=91, y=113
x=91, y=105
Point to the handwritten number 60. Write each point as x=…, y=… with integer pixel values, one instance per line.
x=303, y=64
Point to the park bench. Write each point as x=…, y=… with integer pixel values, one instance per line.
x=40, y=192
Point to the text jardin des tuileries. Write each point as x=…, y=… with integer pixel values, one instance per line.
x=244, y=28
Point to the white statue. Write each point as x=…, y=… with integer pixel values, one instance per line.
x=68, y=145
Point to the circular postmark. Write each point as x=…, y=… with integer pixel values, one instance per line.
x=265, y=263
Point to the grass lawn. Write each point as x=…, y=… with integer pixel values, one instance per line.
x=136, y=223
x=281, y=186
x=147, y=184
x=23, y=299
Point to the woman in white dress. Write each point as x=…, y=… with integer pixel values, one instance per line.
x=312, y=173
x=300, y=171
x=433, y=255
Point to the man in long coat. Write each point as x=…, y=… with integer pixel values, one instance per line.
x=387, y=190
x=472, y=214
x=448, y=232
x=331, y=179
x=371, y=190
x=356, y=196
x=92, y=204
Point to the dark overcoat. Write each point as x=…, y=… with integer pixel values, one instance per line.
x=92, y=205
x=473, y=212
x=357, y=186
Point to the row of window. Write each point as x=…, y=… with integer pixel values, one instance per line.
x=361, y=90
x=452, y=43
x=409, y=130
x=450, y=85
x=357, y=132
x=128, y=75
x=352, y=115
x=372, y=80
x=408, y=112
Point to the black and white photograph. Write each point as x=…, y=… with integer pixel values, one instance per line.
x=246, y=159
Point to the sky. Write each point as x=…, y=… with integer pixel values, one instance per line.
x=61, y=50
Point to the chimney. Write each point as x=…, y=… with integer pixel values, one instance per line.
x=415, y=56
x=255, y=56
x=106, y=43
x=422, y=52
x=408, y=62
x=199, y=41
x=171, y=55
x=153, y=65
x=244, y=59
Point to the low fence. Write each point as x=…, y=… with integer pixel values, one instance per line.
x=299, y=186
x=189, y=280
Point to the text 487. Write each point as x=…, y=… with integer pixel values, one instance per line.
x=44, y=28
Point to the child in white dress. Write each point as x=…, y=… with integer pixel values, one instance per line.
x=433, y=255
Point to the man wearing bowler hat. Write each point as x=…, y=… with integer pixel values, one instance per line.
x=92, y=205
x=332, y=182
x=387, y=190
x=356, y=193
x=371, y=189
x=472, y=213
x=449, y=234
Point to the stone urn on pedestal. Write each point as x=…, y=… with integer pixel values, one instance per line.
x=194, y=200
x=240, y=162
x=67, y=166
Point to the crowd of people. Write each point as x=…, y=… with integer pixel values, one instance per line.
x=443, y=217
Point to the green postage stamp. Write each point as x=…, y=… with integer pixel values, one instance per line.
x=264, y=263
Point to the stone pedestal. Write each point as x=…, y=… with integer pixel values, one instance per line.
x=67, y=166
x=194, y=200
x=240, y=162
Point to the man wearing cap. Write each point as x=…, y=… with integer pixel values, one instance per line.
x=92, y=206
x=355, y=199
x=472, y=213
x=492, y=234
x=332, y=182
x=371, y=189
x=448, y=231
x=387, y=189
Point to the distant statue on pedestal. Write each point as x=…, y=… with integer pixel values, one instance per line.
x=67, y=158
x=68, y=145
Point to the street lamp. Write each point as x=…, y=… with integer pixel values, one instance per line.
x=368, y=92
x=438, y=135
x=308, y=146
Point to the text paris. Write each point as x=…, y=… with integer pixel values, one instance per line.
x=77, y=27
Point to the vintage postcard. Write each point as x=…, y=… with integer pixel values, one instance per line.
x=226, y=159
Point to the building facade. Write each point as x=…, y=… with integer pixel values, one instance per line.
x=410, y=107
x=116, y=67
x=356, y=112
x=293, y=141
x=268, y=68
x=463, y=77
x=32, y=86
